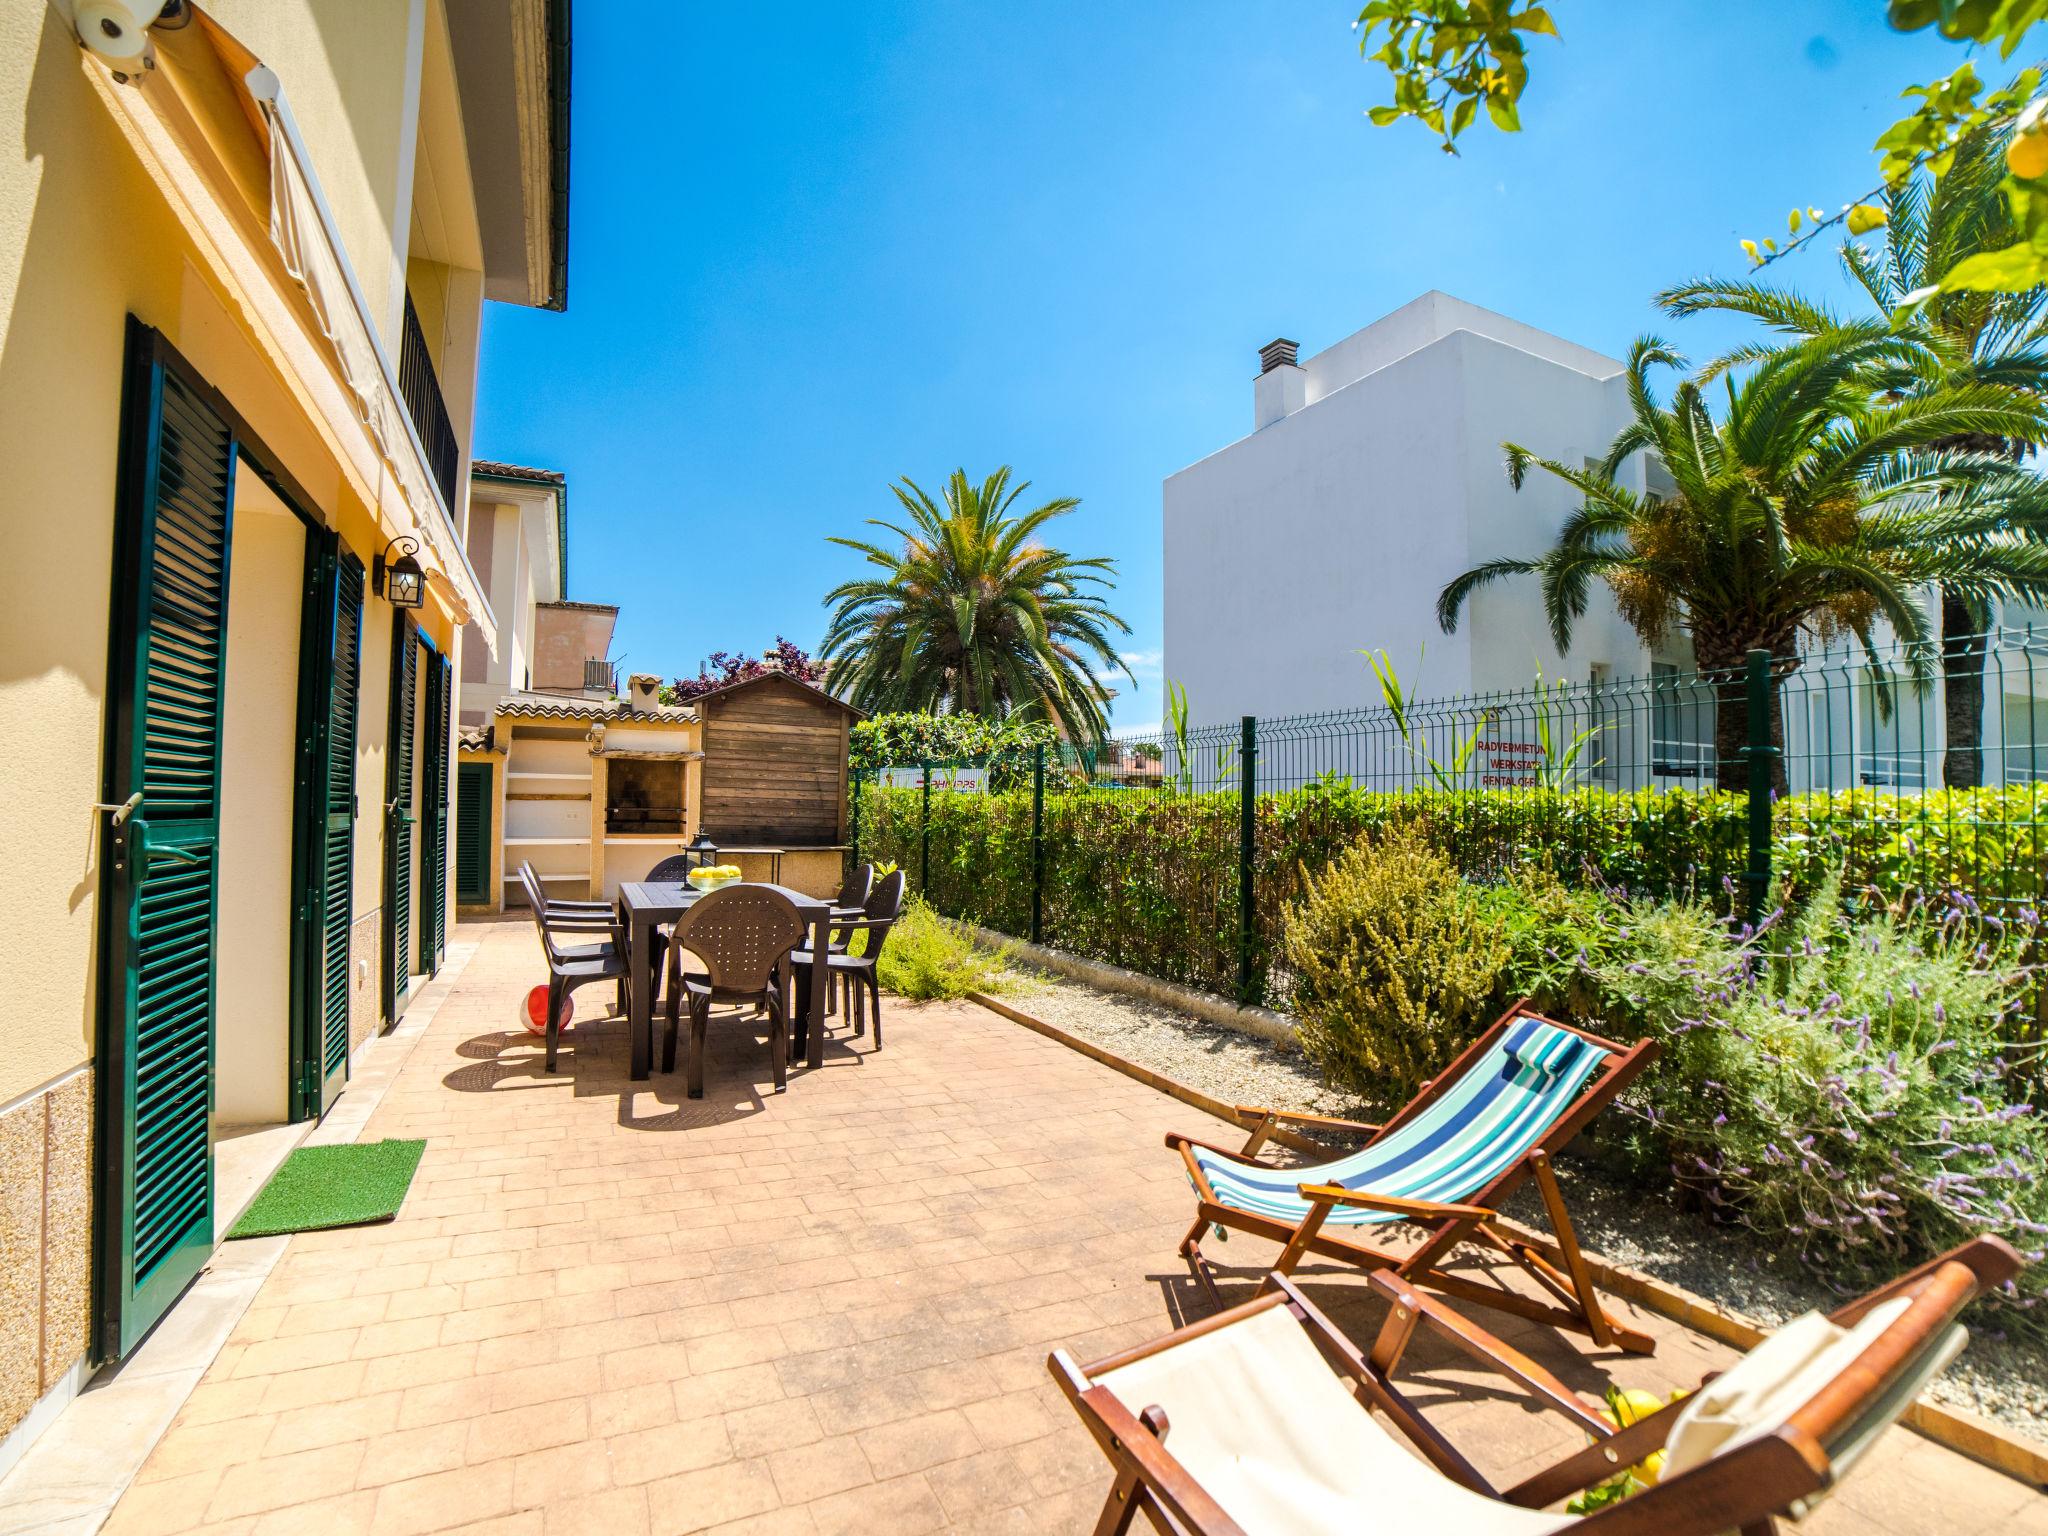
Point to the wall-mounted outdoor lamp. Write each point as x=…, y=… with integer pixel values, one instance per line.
x=401, y=582
x=703, y=850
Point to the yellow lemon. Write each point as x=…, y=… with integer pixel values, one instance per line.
x=1865, y=217
x=2027, y=156
x=1634, y=1404
x=1651, y=1469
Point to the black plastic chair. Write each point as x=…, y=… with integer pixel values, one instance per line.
x=857, y=972
x=742, y=933
x=852, y=900
x=600, y=912
x=849, y=906
x=573, y=965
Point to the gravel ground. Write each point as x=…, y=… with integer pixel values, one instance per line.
x=2003, y=1379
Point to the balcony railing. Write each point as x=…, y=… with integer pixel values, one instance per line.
x=422, y=391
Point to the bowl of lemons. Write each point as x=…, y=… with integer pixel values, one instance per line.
x=712, y=876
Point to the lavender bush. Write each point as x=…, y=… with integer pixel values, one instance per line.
x=1844, y=1085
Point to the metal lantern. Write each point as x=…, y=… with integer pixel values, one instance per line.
x=401, y=582
x=703, y=849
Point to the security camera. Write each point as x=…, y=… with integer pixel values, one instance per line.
x=117, y=31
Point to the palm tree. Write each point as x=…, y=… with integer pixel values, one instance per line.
x=972, y=614
x=1957, y=338
x=1809, y=506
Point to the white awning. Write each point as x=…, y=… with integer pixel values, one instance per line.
x=297, y=289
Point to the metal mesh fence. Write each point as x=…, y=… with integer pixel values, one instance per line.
x=1913, y=771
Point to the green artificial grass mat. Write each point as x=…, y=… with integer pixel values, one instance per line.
x=345, y=1186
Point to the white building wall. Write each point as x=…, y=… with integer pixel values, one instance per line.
x=1331, y=530
x=517, y=565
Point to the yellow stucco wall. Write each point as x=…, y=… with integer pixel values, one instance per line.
x=65, y=289
x=352, y=75
x=86, y=240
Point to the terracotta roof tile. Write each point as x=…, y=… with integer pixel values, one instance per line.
x=534, y=707
x=499, y=471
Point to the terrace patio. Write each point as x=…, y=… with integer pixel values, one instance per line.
x=624, y=1311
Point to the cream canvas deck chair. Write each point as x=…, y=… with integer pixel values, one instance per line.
x=1257, y=1421
x=1468, y=1139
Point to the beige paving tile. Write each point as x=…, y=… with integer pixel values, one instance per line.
x=606, y=1308
x=824, y=1466
x=714, y=1496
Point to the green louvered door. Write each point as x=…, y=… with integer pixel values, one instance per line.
x=330, y=683
x=433, y=749
x=337, y=854
x=160, y=856
x=399, y=816
x=473, y=833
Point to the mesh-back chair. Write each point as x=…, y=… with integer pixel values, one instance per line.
x=742, y=933
x=573, y=964
x=674, y=867
x=884, y=907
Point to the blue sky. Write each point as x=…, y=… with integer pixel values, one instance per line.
x=815, y=248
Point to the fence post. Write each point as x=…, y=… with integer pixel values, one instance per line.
x=1247, y=835
x=924, y=830
x=1761, y=755
x=853, y=857
x=1038, y=843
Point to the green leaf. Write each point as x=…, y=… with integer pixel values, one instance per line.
x=1502, y=110
x=2012, y=270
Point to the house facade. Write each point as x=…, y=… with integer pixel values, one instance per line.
x=1371, y=478
x=518, y=541
x=1374, y=475
x=243, y=260
x=593, y=785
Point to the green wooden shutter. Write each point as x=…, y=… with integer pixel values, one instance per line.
x=473, y=833
x=398, y=819
x=434, y=817
x=337, y=871
x=330, y=668
x=337, y=687
x=165, y=695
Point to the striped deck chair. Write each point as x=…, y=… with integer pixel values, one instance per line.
x=1466, y=1141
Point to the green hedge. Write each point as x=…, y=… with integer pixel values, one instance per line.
x=1148, y=880
x=1005, y=747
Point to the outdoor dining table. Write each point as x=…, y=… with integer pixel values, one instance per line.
x=647, y=904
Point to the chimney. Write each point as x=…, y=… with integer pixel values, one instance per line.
x=1282, y=385
x=1279, y=353
x=644, y=691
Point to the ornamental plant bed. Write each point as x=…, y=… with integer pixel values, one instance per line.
x=2001, y=1376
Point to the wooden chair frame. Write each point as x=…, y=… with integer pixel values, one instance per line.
x=1747, y=1489
x=1576, y=1305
